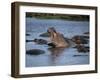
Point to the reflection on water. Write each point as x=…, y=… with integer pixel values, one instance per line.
x=55, y=53
x=54, y=56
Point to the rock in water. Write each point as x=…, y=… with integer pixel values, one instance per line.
x=79, y=55
x=27, y=34
x=87, y=33
x=46, y=34
x=40, y=41
x=35, y=52
x=29, y=40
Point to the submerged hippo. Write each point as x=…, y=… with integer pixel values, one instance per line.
x=57, y=39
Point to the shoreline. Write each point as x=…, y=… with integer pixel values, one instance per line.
x=58, y=16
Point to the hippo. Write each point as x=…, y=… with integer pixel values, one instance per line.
x=82, y=48
x=80, y=39
x=56, y=38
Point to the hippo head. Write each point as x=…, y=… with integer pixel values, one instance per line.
x=51, y=30
x=56, y=38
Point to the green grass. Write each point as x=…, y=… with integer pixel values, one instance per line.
x=58, y=16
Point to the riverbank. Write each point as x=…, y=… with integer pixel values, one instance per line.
x=58, y=16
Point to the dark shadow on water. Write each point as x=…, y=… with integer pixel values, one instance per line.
x=55, y=54
x=35, y=52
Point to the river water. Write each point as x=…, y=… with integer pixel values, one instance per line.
x=35, y=27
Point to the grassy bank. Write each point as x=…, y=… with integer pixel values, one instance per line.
x=58, y=16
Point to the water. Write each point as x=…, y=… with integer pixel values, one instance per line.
x=56, y=57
